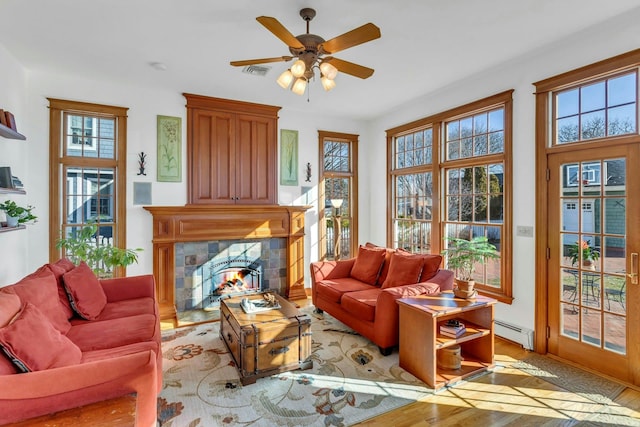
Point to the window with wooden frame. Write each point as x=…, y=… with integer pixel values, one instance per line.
x=450, y=176
x=87, y=172
x=338, y=181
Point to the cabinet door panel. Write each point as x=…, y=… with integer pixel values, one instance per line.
x=256, y=162
x=213, y=155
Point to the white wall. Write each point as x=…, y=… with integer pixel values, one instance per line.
x=594, y=44
x=14, y=253
x=144, y=104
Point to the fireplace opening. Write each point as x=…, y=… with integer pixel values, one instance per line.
x=209, y=271
x=231, y=281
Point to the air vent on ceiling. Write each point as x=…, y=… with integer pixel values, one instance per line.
x=256, y=70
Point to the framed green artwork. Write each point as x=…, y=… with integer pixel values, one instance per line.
x=288, y=157
x=169, y=149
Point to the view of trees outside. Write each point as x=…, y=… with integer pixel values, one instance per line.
x=597, y=110
x=337, y=185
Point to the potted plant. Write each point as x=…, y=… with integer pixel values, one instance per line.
x=83, y=246
x=462, y=256
x=17, y=214
x=589, y=255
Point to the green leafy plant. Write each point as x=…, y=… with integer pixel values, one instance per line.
x=23, y=214
x=588, y=253
x=83, y=246
x=462, y=255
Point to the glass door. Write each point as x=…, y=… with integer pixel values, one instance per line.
x=594, y=234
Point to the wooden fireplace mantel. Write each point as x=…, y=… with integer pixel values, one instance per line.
x=192, y=223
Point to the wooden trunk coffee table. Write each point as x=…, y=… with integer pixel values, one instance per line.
x=420, y=340
x=267, y=342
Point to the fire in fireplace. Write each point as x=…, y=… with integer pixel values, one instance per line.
x=233, y=281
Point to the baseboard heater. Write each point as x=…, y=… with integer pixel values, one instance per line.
x=514, y=333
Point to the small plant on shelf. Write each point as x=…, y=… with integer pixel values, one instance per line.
x=82, y=245
x=17, y=214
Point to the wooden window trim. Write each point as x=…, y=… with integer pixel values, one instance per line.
x=437, y=121
x=57, y=109
x=353, y=175
x=543, y=128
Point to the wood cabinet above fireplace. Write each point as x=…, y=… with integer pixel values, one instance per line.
x=231, y=151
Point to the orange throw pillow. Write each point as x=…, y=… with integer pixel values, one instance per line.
x=403, y=270
x=431, y=267
x=368, y=264
x=33, y=344
x=85, y=292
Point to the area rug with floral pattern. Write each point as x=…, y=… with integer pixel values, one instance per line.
x=350, y=382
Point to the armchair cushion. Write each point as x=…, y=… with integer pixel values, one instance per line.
x=403, y=270
x=85, y=292
x=368, y=264
x=33, y=344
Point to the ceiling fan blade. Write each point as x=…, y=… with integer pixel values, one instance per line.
x=360, y=35
x=273, y=25
x=261, y=61
x=350, y=68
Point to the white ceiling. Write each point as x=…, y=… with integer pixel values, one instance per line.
x=425, y=44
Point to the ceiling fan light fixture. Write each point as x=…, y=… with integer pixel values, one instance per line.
x=298, y=68
x=299, y=86
x=328, y=70
x=327, y=83
x=285, y=79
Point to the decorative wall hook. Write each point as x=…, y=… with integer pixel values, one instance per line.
x=308, y=179
x=142, y=163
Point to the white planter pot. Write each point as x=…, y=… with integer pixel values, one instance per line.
x=12, y=221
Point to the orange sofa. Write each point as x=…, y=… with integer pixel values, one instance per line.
x=361, y=292
x=68, y=339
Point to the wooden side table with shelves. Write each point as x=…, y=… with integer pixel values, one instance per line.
x=420, y=340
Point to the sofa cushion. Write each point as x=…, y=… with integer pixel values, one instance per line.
x=33, y=344
x=361, y=304
x=124, y=308
x=368, y=264
x=385, y=265
x=403, y=270
x=59, y=268
x=40, y=289
x=108, y=353
x=85, y=292
x=98, y=335
x=332, y=290
x=431, y=266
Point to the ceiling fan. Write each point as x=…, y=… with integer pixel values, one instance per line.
x=311, y=51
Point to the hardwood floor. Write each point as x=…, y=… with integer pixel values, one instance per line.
x=508, y=397
x=505, y=397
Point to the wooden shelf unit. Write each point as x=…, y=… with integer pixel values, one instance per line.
x=419, y=346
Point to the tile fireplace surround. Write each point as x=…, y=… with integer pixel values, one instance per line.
x=174, y=225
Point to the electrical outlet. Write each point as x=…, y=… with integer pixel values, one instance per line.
x=524, y=231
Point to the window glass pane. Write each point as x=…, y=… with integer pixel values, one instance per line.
x=567, y=130
x=496, y=120
x=496, y=142
x=621, y=90
x=480, y=124
x=480, y=145
x=567, y=103
x=593, y=125
x=592, y=97
x=621, y=120
x=336, y=156
x=597, y=110
x=453, y=131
